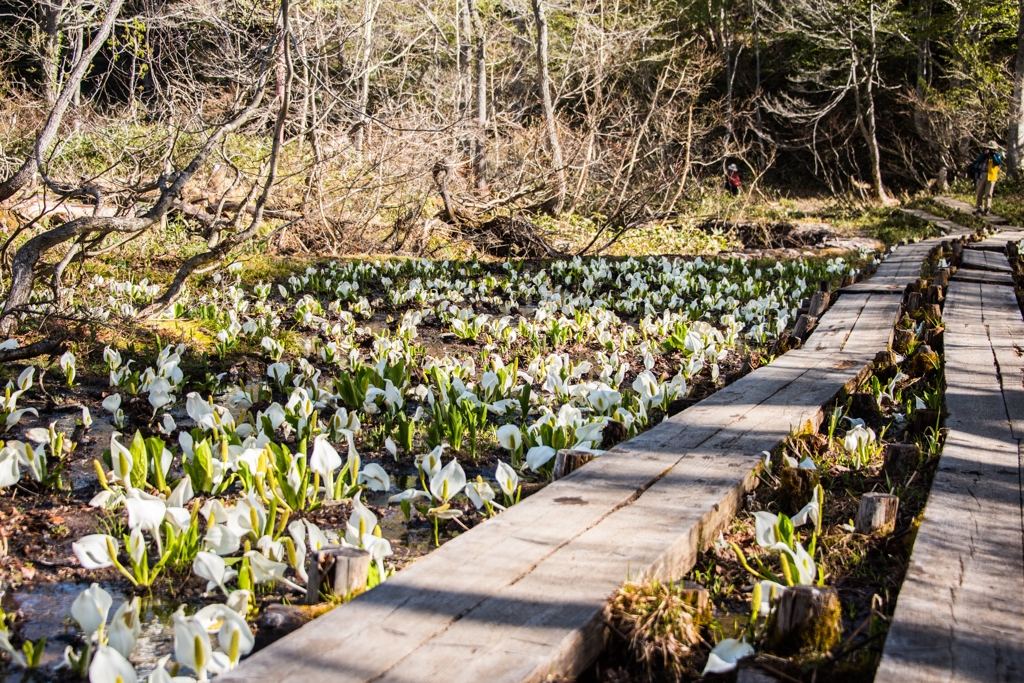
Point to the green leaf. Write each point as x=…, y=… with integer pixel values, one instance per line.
x=155, y=448
x=140, y=461
x=202, y=467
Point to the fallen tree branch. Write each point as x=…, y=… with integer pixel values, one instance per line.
x=44, y=347
x=29, y=254
x=222, y=249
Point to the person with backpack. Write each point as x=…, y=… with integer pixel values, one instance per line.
x=733, y=180
x=985, y=171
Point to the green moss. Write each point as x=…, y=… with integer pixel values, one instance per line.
x=819, y=633
x=796, y=486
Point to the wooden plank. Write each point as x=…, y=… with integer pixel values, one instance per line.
x=942, y=222
x=873, y=331
x=985, y=260
x=960, y=613
x=835, y=326
x=983, y=277
x=997, y=244
x=1002, y=318
x=964, y=207
x=873, y=286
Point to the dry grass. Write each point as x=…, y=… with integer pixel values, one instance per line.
x=659, y=625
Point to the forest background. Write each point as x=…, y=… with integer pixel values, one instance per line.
x=384, y=126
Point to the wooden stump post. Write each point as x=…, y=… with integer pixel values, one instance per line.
x=885, y=359
x=803, y=327
x=806, y=617
x=913, y=301
x=877, y=513
x=819, y=304
x=568, y=461
x=343, y=571
x=902, y=339
x=848, y=280
x=863, y=404
x=942, y=277
x=796, y=486
x=901, y=458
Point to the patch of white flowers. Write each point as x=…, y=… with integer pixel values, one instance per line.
x=560, y=353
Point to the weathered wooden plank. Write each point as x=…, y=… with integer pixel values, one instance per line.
x=873, y=331
x=960, y=613
x=835, y=326
x=985, y=260
x=893, y=285
x=997, y=244
x=1002, y=318
x=942, y=222
x=983, y=277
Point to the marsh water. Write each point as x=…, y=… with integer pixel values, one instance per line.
x=44, y=611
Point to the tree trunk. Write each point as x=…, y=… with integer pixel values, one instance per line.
x=363, y=100
x=870, y=129
x=543, y=78
x=46, y=136
x=1015, y=134
x=463, y=37
x=480, y=151
x=756, y=26
x=727, y=58
x=51, y=51
x=924, y=60
x=866, y=110
x=78, y=44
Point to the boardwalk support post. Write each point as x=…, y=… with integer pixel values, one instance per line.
x=343, y=571
x=901, y=458
x=806, y=617
x=568, y=461
x=877, y=513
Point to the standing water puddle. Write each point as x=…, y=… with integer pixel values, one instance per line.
x=417, y=540
x=45, y=612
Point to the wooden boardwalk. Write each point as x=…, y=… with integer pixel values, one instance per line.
x=960, y=612
x=522, y=596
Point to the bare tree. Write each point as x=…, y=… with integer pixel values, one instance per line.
x=370, y=8
x=1015, y=133
x=849, y=33
x=480, y=62
x=87, y=233
x=69, y=91
x=544, y=85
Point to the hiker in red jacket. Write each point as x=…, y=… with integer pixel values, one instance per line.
x=733, y=180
